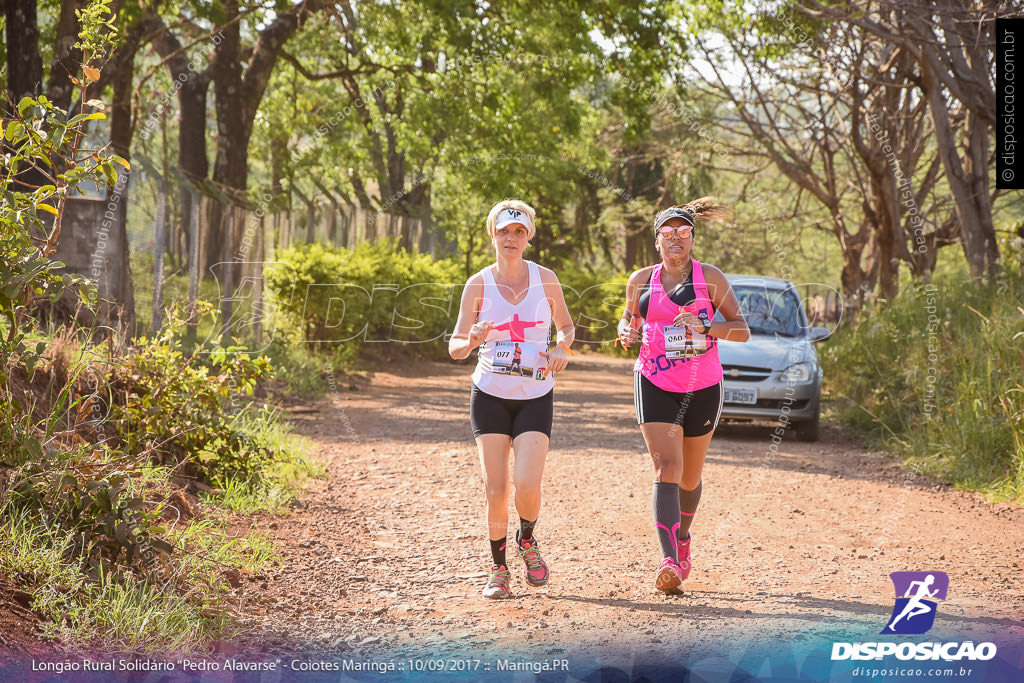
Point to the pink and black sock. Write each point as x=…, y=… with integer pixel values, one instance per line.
x=525, y=530
x=498, y=553
x=688, y=502
x=666, y=516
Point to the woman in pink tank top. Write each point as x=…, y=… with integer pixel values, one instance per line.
x=670, y=309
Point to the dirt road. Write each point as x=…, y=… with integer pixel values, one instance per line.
x=387, y=554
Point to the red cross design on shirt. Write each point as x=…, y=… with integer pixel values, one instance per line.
x=516, y=327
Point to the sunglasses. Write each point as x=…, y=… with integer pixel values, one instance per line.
x=681, y=231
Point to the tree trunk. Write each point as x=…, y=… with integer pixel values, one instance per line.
x=229, y=219
x=193, y=264
x=975, y=212
x=238, y=97
x=429, y=242
x=310, y=221
x=192, y=87
x=66, y=57
x=976, y=166
x=230, y=169
x=192, y=159
x=24, y=71
x=121, y=130
x=24, y=65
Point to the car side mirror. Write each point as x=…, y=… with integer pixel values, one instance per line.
x=816, y=334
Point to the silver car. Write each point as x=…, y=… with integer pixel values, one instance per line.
x=775, y=376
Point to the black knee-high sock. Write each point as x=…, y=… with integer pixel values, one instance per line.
x=688, y=501
x=525, y=529
x=666, y=516
x=498, y=553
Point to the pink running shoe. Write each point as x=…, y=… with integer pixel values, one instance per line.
x=498, y=585
x=669, y=577
x=536, y=569
x=684, y=558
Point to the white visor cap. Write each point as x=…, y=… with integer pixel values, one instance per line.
x=513, y=216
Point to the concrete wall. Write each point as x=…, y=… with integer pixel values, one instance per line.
x=93, y=243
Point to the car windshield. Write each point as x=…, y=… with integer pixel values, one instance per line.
x=770, y=311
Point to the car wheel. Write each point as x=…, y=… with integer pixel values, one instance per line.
x=808, y=430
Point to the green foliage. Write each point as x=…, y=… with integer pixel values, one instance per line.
x=195, y=412
x=191, y=415
x=595, y=302
x=280, y=483
x=367, y=294
x=304, y=371
x=44, y=164
x=92, y=529
x=95, y=500
x=446, y=118
x=929, y=375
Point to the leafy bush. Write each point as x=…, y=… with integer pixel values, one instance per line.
x=190, y=412
x=367, y=294
x=929, y=376
x=595, y=301
x=108, y=424
x=375, y=294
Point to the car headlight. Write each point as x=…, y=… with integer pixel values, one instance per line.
x=798, y=373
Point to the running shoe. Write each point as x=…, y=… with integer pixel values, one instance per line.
x=669, y=577
x=498, y=585
x=536, y=568
x=684, y=558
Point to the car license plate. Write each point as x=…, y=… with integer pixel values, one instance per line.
x=744, y=396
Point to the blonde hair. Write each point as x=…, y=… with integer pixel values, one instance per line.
x=492, y=217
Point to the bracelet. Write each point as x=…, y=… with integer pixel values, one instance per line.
x=564, y=346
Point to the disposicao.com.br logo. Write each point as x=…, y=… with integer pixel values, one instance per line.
x=916, y=593
x=913, y=613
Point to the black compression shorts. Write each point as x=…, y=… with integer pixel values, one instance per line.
x=491, y=414
x=697, y=412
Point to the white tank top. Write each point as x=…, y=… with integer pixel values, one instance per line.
x=508, y=362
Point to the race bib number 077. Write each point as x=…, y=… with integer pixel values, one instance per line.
x=519, y=359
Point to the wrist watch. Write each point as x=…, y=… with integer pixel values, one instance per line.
x=707, y=326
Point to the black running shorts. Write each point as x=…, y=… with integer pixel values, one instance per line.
x=697, y=412
x=490, y=414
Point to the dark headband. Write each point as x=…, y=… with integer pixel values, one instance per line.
x=670, y=213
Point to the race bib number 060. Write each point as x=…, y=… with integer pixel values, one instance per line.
x=684, y=342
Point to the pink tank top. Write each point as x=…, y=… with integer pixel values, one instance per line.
x=678, y=358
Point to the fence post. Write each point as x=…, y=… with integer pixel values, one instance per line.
x=228, y=269
x=159, y=244
x=193, y=263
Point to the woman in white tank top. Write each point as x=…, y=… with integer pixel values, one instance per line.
x=507, y=310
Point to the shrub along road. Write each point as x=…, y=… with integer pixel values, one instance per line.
x=385, y=557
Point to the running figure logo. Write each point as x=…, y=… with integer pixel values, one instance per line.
x=916, y=596
x=517, y=360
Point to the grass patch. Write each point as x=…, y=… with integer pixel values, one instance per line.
x=125, y=612
x=933, y=377
x=273, y=494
